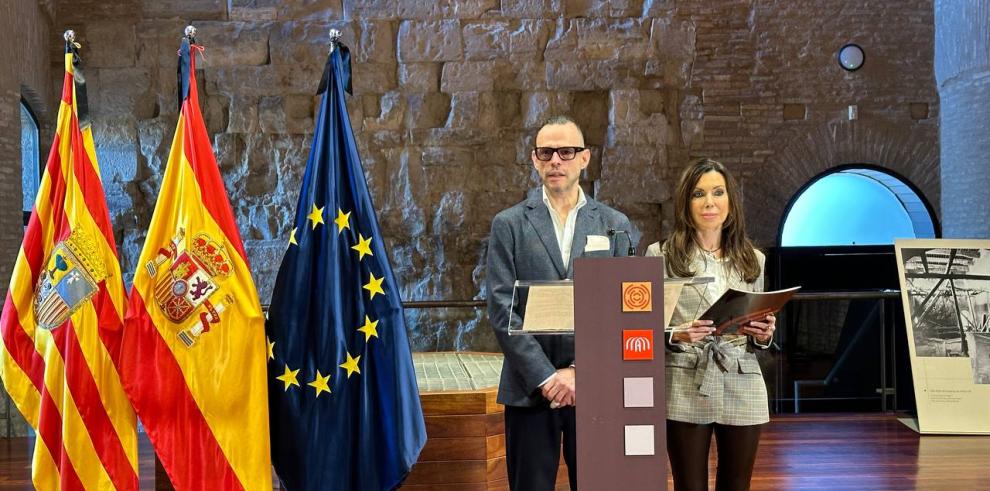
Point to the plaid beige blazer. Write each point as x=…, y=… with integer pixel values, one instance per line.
x=718, y=379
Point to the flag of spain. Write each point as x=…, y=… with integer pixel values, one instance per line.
x=194, y=352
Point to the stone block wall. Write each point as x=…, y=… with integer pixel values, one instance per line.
x=448, y=94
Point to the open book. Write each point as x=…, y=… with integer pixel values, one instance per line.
x=735, y=308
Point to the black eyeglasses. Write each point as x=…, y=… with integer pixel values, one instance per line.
x=566, y=153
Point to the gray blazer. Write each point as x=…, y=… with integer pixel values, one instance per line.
x=523, y=246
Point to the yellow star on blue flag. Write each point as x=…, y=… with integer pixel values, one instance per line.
x=343, y=220
x=289, y=377
x=320, y=383
x=363, y=247
x=374, y=286
x=351, y=365
x=315, y=216
x=370, y=329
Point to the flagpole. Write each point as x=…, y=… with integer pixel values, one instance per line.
x=190, y=34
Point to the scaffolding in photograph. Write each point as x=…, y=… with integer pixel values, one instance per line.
x=955, y=298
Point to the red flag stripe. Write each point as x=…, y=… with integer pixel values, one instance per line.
x=92, y=188
x=68, y=87
x=50, y=432
x=110, y=332
x=21, y=346
x=79, y=380
x=204, y=165
x=169, y=413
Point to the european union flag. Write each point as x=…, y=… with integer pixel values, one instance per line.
x=345, y=410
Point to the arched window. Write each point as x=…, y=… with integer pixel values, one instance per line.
x=856, y=205
x=30, y=159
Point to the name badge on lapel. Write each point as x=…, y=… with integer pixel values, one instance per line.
x=597, y=243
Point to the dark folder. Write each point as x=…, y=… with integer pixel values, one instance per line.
x=735, y=308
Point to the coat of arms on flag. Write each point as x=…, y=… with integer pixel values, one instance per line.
x=70, y=278
x=193, y=277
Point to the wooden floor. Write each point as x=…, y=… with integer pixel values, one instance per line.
x=802, y=452
x=847, y=452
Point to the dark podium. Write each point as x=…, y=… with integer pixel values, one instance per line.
x=619, y=354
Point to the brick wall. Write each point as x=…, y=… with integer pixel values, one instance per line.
x=25, y=32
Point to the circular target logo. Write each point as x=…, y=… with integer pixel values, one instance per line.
x=637, y=296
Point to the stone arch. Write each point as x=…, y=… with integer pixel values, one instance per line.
x=910, y=151
x=36, y=103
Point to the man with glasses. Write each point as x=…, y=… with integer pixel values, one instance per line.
x=538, y=239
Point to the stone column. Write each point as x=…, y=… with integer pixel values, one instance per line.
x=962, y=71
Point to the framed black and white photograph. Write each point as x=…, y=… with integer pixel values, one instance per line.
x=945, y=289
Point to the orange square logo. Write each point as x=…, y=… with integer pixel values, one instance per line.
x=637, y=296
x=637, y=344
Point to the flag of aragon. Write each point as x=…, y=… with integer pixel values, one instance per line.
x=63, y=316
x=194, y=342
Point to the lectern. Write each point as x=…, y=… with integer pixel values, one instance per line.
x=619, y=332
x=615, y=309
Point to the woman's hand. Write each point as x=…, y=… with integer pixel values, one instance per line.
x=761, y=331
x=695, y=331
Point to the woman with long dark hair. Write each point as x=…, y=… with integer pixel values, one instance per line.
x=714, y=383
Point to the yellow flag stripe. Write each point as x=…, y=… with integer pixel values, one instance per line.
x=44, y=473
x=75, y=439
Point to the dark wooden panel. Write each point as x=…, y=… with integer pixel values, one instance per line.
x=464, y=425
x=495, y=446
x=467, y=402
x=446, y=487
x=496, y=469
x=496, y=423
x=449, y=472
x=498, y=485
x=442, y=449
